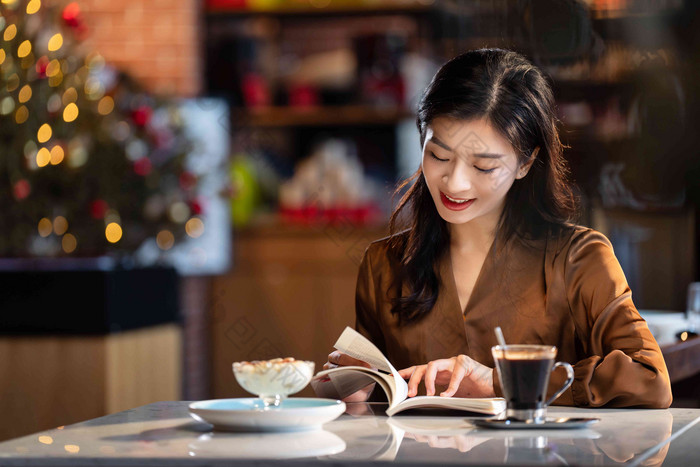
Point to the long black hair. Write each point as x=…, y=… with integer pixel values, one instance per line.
x=514, y=96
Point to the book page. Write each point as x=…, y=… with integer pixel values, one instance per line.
x=338, y=383
x=358, y=346
x=486, y=405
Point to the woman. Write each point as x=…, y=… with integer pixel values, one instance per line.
x=484, y=237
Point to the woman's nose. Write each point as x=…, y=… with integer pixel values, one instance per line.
x=457, y=180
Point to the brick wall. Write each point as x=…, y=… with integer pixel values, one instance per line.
x=156, y=41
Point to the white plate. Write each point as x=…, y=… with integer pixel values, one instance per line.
x=249, y=414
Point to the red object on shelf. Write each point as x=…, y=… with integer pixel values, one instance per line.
x=255, y=91
x=197, y=206
x=310, y=215
x=227, y=4
x=303, y=95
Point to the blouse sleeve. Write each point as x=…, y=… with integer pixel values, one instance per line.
x=625, y=366
x=366, y=315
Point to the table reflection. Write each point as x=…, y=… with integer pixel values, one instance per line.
x=290, y=445
x=416, y=438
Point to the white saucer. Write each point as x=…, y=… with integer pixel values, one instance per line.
x=250, y=414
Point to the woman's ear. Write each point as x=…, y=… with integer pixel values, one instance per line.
x=525, y=168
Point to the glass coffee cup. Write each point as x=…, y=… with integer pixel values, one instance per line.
x=524, y=371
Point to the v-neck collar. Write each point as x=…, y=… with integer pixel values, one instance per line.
x=448, y=278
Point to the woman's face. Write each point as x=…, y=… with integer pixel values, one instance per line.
x=469, y=169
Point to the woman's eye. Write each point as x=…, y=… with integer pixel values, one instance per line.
x=484, y=170
x=436, y=157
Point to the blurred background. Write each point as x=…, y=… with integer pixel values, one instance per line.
x=188, y=184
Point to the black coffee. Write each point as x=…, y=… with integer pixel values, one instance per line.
x=525, y=381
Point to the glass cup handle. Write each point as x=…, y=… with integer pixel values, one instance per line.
x=567, y=383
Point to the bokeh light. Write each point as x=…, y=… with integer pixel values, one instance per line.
x=60, y=225
x=7, y=105
x=70, y=113
x=194, y=227
x=10, y=32
x=25, y=93
x=70, y=95
x=77, y=154
x=43, y=157
x=94, y=89
x=13, y=82
x=165, y=240
x=53, y=68
x=106, y=105
x=113, y=232
x=121, y=131
x=56, y=42
x=54, y=104
x=24, y=49
x=179, y=212
x=45, y=227
x=57, y=154
x=44, y=133
x=69, y=243
x=22, y=114
x=33, y=6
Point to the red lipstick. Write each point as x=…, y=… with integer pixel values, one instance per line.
x=452, y=206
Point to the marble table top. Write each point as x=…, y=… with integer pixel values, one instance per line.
x=163, y=433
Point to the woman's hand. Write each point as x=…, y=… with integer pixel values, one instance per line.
x=336, y=359
x=464, y=376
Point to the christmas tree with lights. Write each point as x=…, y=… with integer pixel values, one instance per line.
x=90, y=163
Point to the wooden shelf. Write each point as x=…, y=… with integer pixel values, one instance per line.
x=319, y=116
x=333, y=8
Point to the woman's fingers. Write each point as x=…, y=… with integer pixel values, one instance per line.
x=430, y=375
x=340, y=359
x=407, y=372
x=458, y=373
x=463, y=375
x=415, y=379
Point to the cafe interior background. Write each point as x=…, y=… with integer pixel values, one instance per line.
x=188, y=184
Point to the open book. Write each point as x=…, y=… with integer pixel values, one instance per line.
x=338, y=383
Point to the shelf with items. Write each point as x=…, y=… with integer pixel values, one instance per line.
x=309, y=8
x=315, y=81
x=280, y=116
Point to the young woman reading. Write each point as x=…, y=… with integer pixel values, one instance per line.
x=485, y=236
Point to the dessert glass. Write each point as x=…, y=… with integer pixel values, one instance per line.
x=273, y=380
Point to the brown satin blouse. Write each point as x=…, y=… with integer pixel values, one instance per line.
x=566, y=290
